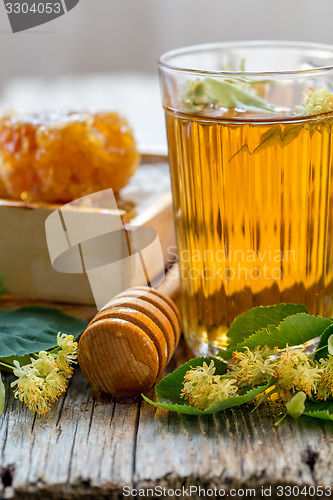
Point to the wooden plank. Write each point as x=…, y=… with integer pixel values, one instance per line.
x=86, y=448
x=92, y=449
x=230, y=449
x=103, y=451
x=80, y=445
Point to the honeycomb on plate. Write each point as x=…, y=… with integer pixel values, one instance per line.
x=59, y=157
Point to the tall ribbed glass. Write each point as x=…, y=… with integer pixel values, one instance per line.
x=252, y=187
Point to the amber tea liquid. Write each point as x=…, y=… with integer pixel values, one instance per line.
x=253, y=210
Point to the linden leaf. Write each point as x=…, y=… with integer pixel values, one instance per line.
x=276, y=135
x=2, y=396
x=256, y=319
x=319, y=409
x=296, y=406
x=219, y=406
x=291, y=133
x=168, y=390
x=293, y=330
x=33, y=329
x=325, y=343
x=269, y=138
x=197, y=94
x=330, y=345
x=23, y=360
x=230, y=95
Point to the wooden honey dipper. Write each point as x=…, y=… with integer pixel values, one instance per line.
x=129, y=342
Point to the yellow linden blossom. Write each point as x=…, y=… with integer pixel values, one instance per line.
x=45, y=363
x=55, y=384
x=292, y=369
x=65, y=342
x=202, y=388
x=325, y=384
x=317, y=101
x=199, y=378
x=222, y=389
x=39, y=383
x=295, y=372
x=30, y=388
x=64, y=363
x=43, y=380
x=254, y=367
x=67, y=353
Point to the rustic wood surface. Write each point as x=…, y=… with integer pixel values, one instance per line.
x=86, y=448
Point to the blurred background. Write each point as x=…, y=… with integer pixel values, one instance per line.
x=103, y=52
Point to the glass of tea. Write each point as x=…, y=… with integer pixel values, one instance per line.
x=249, y=128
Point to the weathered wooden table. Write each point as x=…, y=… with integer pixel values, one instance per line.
x=86, y=449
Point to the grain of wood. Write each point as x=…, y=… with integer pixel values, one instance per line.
x=92, y=449
x=88, y=449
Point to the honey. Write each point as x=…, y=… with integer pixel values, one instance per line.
x=59, y=157
x=253, y=203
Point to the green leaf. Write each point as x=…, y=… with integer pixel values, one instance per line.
x=219, y=406
x=322, y=349
x=231, y=95
x=293, y=330
x=197, y=94
x=32, y=329
x=296, y=406
x=23, y=360
x=255, y=319
x=2, y=396
x=275, y=135
x=291, y=133
x=330, y=345
x=269, y=138
x=168, y=391
x=169, y=388
x=320, y=409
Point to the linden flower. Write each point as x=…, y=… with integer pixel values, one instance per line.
x=30, y=388
x=55, y=384
x=199, y=379
x=65, y=342
x=64, y=363
x=222, y=389
x=45, y=378
x=21, y=371
x=67, y=353
x=254, y=367
x=45, y=363
x=202, y=388
x=325, y=384
x=317, y=101
x=295, y=372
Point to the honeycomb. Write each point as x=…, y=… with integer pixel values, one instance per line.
x=57, y=158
